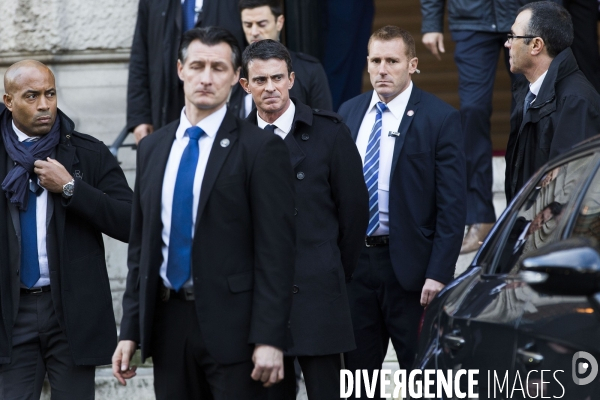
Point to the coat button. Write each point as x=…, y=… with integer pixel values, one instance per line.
x=295, y=211
x=305, y=136
x=300, y=175
x=17, y=272
x=295, y=289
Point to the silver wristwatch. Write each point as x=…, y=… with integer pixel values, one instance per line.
x=68, y=188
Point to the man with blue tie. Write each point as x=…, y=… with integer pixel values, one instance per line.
x=414, y=167
x=211, y=255
x=61, y=191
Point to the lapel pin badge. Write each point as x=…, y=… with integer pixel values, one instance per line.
x=394, y=134
x=78, y=174
x=410, y=113
x=224, y=142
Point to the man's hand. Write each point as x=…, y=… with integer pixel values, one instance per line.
x=268, y=364
x=141, y=131
x=52, y=175
x=430, y=289
x=120, y=361
x=434, y=41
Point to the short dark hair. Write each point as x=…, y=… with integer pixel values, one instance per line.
x=210, y=36
x=275, y=5
x=391, y=32
x=551, y=22
x=265, y=50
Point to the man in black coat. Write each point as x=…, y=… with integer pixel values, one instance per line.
x=211, y=254
x=556, y=107
x=331, y=217
x=154, y=92
x=61, y=190
x=263, y=19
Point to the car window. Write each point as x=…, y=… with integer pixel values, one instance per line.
x=587, y=223
x=538, y=220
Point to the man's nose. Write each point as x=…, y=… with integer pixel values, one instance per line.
x=270, y=86
x=43, y=103
x=255, y=31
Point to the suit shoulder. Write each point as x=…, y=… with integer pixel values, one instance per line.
x=435, y=103
x=85, y=141
x=306, y=57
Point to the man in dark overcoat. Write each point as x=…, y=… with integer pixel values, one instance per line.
x=331, y=217
x=557, y=106
x=61, y=190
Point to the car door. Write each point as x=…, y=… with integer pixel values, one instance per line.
x=478, y=327
x=553, y=328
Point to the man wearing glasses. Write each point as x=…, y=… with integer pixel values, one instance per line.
x=556, y=107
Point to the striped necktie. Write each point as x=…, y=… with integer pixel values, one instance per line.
x=371, y=170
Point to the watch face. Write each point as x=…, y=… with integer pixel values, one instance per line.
x=68, y=188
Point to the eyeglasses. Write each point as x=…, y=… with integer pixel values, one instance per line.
x=510, y=37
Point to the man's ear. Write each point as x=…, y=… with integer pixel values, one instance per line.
x=8, y=99
x=244, y=82
x=292, y=80
x=179, y=69
x=412, y=65
x=537, y=46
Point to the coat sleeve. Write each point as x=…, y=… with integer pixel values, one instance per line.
x=450, y=183
x=319, y=93
x=432, y=12
x=274, y=229
x=107, y=202
x=130, y=322
x=351, y=198
x=578, y=120
x=139, y=108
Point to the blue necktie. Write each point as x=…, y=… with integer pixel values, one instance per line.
x=189, y=14
x=371, y=170
x=528, y=100
x=270, y=128
x=180, y=240
x=30, y=263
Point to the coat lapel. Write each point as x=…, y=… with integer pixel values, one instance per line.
x=218, y=155
x=355, y=120
x=413, y=105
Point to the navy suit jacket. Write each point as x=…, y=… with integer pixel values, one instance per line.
x=427, y=187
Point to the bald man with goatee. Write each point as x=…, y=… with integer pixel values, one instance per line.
x=61, y=191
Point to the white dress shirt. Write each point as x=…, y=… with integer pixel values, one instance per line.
x=390, y=122
x=537, y=85
x=210, y=125
x=283, y=124
x=41, y=209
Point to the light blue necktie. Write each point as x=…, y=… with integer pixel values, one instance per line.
x=371, y=170
x=30, y=263
x=180, y=240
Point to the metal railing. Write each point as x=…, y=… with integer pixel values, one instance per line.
x=120, y=142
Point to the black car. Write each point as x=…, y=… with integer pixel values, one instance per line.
x=526, y=311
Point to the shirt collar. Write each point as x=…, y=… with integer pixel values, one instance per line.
x=284, y=122
x=210, y=125
x=22, y=137
x=397, y=105
x=537, y=85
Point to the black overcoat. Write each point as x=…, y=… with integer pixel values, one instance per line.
x=81, y=294
x=565, y=112
x=332, y=212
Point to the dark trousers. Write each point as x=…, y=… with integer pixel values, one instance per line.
x=347, y=28
x=321, y=376
x=40, y=347
x=476, y=56
x=183, y=368
x=381, y=310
